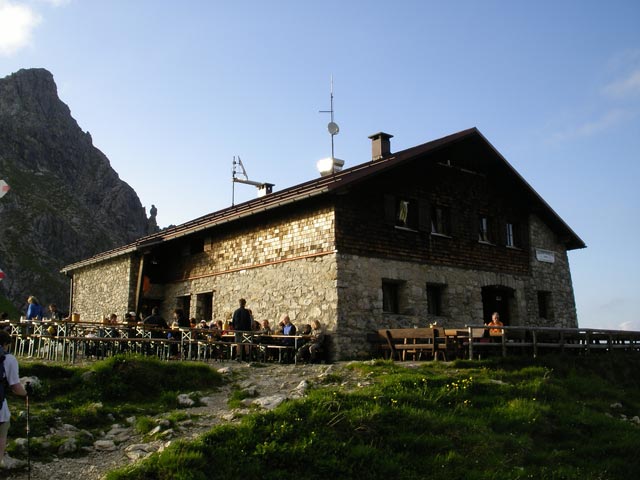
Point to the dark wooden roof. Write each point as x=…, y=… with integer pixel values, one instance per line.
x=336, y=182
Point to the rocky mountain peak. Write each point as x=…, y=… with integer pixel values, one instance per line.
x=66, y=202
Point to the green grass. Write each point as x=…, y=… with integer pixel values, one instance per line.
x=512, y=418
x=107, y=392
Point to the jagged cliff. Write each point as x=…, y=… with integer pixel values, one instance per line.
x=66, y=202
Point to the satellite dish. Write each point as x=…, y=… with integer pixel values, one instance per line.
x=333, y=128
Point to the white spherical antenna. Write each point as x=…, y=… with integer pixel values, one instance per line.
x=333, y=128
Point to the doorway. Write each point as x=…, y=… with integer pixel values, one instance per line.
x=496, y=298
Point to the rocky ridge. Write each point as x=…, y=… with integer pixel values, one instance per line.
x=66, y=202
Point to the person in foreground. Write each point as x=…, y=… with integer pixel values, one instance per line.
x=12, y=376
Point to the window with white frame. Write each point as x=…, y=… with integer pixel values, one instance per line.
x=440, y=223
x=484, y=229
x=512, y=235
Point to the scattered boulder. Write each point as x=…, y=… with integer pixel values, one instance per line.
x=104, y=445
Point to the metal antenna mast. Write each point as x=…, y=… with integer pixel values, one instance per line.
x=264, y=188
x=332, y=127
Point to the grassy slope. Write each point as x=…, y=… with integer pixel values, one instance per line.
x=497, y=419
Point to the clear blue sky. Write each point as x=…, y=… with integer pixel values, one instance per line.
x=171, y=91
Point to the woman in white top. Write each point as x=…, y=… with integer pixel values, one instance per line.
x=13, y=379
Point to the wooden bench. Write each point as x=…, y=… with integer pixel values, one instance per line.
x=415, y=342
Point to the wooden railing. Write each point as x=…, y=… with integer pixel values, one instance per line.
x=475, y=341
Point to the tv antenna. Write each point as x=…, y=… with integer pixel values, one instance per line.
x=264, y=188
x=328, y=166
x=332, y=126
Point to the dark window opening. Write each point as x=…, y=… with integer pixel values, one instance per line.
x=440, y=223
x=434, y=299
x=390, y=296
x=545, y=309
x=196, y=246
x=184, y=302
x=204, y=306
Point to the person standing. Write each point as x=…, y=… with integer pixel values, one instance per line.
x=35, y=310
x=12, y=376
x=242, y=321
x=156, y=323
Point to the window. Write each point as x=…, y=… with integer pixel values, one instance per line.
x=545, y=308
x=484, y=229
x=440, y=220
x=184, y=302
x=512, y=235
x=434, y=299
x=390, y=296
x=204, y=306
x=196, y=246
x=407, y=214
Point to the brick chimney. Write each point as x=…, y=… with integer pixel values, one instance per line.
x=380, y=145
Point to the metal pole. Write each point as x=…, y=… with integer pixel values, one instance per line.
x=28, y=387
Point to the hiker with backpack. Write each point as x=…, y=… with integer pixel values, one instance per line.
x=9, y=379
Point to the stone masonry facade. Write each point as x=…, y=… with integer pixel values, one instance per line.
x=104, y=288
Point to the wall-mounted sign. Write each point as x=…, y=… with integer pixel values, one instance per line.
x=546, y=256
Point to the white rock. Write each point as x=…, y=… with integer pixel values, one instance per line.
x=271, y=402
x=185, y=400
x=104, y=445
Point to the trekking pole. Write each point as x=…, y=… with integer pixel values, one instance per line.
x=28, y=389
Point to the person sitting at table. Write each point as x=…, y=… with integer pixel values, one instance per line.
x=309, y=351
x=266, y=328
x=54, y=314
x=180, y=318
x=495, y=322
x=306, y=330
x=288, y=328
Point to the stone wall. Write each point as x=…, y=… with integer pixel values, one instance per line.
x=285, y=265
x=104, y=288
x=304, y=288
x=550, y=276
x=360, y=298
